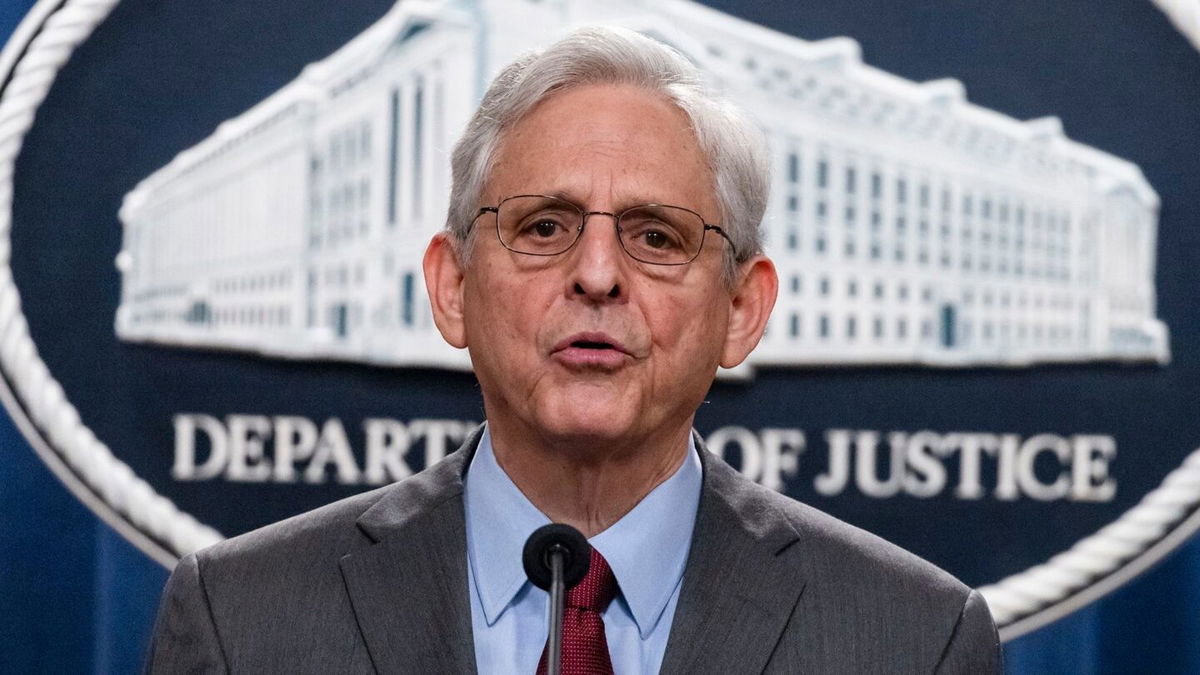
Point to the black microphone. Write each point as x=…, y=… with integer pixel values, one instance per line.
x=556, y=558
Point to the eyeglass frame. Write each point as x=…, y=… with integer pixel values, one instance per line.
x=583, y=216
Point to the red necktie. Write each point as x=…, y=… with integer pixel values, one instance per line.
x=584, y=648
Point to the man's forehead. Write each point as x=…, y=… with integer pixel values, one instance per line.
x=578, y=143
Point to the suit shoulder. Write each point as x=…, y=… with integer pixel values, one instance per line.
x=336, y=528
x=838, y=550
x=855, y=583
x=326, y=531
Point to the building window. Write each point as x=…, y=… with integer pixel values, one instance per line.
x=418, y=158
x=407, y=299
x=351, y=144
x=795, y=325
x=823, y=326
x=393, y=155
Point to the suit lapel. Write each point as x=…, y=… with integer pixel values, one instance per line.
x=740, y=587
x=409, y=586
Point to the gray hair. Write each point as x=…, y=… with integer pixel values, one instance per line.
x=733, y=146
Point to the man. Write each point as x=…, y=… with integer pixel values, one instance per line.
x=602, y=260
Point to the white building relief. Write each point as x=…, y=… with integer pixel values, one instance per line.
x=909, y=225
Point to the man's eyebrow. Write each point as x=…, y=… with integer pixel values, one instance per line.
x=628, y=203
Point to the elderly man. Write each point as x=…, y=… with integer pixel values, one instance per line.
x=602, y=260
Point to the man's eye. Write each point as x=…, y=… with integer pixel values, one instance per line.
x=657, y=239
x=655, y=236
x=545, y=228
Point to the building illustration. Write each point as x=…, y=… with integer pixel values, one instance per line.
x=909, y=225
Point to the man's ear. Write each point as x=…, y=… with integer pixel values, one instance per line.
x=751, y=301
x=444, y=280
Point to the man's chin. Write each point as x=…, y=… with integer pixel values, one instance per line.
x=592, y=430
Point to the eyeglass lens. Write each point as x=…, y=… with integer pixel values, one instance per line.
x=656, y=234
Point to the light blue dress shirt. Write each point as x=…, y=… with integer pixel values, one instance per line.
x=647, y=550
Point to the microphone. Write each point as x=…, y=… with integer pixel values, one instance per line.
x=556, y=557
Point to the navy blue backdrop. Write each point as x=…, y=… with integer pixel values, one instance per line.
x=77, y=598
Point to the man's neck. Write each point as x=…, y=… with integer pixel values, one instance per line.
x=577, y=484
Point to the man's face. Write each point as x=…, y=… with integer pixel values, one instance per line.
x=591, y=344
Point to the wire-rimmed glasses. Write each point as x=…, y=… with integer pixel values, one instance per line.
x=656, y=234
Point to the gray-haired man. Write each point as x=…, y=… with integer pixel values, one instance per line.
x=602, y=259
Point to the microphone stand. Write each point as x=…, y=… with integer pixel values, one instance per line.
x=554, y=647
x=556, y=557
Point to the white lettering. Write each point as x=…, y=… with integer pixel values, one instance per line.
x=834, y=480
x=439, y=434
x=1006, y=468
x=970, y=448
x=185, y=467
x=332, y=447
x=1027, y=477
x=746, y=441
x=387, y=443
x=1090, y=481
x=295, y=438
x=866, y=472
x=781, y=450
x=927, y=476
x=247, y=437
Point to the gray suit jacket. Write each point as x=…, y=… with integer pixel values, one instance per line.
x=378, y=583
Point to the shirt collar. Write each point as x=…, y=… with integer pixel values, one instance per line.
x=647, y=548
x=499, y=520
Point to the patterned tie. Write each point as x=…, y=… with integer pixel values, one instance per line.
x=584, y=648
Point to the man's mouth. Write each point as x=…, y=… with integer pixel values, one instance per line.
x=591, y=344
x=590, y=350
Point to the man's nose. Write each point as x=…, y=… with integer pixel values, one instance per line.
x=599, y=268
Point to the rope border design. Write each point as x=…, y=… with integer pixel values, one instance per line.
x=1185, y=14
x=1020, y=603
x=97, y=473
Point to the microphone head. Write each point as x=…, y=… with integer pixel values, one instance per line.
x=576, y=552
